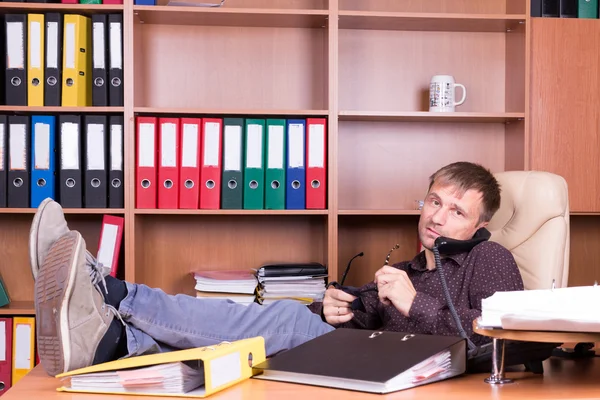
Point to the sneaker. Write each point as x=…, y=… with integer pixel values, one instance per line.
x=71, y=315
x=48, y=225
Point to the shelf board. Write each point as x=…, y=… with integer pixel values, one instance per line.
x=35, y=109
x=143, y=211
x=84, y=8
x=83, y=211
x=237, y=17
x=379, y=212
x=217, y=111
x=426, y=116
x=18, y=308
x=429, y=21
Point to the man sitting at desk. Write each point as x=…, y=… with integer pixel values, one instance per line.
x=85, y=317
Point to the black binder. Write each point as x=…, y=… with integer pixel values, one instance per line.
x=99, y=60
x=116, y=195
x=366, y=360
x=70, y=177
x=3, y=161
x=568, y=8
x=536, y=8
x=550, y=8
x=292, y=269
x=15, y=37
x=95, y=173
x=19, y=145
x=53, y=59
x=115, y=34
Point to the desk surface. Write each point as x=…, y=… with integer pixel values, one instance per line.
x=562, y=379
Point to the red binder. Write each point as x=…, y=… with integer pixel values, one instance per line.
x=109, y=244
x=112, y=1
x=6, y=330
x=210, y=166
x=168, y=164
x=145, y=189
x=316, y=163
x=189, y=174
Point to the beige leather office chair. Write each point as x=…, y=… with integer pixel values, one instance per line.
x=533, y=223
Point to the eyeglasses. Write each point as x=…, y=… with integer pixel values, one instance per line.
x=387, y=259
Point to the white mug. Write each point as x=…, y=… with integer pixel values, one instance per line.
x=442, y=94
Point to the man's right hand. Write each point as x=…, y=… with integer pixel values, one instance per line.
x=336, y=306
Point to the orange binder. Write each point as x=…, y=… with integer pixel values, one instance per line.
x=210, y=167
x=168, y=164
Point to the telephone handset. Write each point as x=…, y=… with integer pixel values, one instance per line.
x=480, y=357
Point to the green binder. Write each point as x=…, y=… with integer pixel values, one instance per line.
x=275, y=165
x=588, y=9
x=233, y=160
x=4, y=299
x=254, y=167
x=90, y=1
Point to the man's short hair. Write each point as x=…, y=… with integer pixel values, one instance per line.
x=466, y=175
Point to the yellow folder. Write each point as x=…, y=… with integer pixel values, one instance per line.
x=35, y=59
x=77, y=60
x=224, y=365
x=23, y=347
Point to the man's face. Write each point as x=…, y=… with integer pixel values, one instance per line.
x=445, y=213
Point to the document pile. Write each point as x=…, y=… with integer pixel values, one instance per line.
x=303, y=282
x=176, y=377
x=571, y=309
x=237, y=285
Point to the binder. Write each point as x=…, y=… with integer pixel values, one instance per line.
x=223, y=365
x=115, y=91
x=189, y=176
x=112, y=1
x=3, y=161
x=145, y=187
x=99, y=76
x=77, y=61
x=52, y=59
x=210, y=168
x=43, y=150
x=95, y=173
x=232, y=193
x=275, y=164
x=69, y=175
x=168, y=168
x=23, y=348
x=551, y=8
x=587, y=9
x=145, y=2
x=295, y=194
x=395, y=360
x=536, y=8
x=116, y=192
x=15, y=29
x=19, y=144
x=316, y=163
x=254, y=167
x=568, y=8
x=6, y=335
x=109, y=244
x=35, y=60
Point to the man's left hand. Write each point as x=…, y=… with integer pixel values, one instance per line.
x=395, y=288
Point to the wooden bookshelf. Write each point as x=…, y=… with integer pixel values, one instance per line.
x=365, y=65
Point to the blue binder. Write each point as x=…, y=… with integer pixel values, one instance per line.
x=295, y=192
x=145, y=2
x=42, y=158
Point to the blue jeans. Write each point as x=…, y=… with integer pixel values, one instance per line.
x=158, y=322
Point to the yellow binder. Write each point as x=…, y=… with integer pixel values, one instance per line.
x=77, y=61
x=224, y=365
x=23, y=347
x=35, y=59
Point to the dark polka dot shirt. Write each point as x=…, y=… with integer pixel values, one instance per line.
x=471, y=277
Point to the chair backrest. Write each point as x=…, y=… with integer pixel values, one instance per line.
x=533, y=224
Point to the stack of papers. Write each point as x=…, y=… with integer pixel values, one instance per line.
x=305, y=289
x=572, y=309
x=237, y=285
x=170, y=378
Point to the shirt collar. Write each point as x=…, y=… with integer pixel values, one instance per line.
x=419, y=262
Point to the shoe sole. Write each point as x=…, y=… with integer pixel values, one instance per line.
x=53, y=290
x=35, y=228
